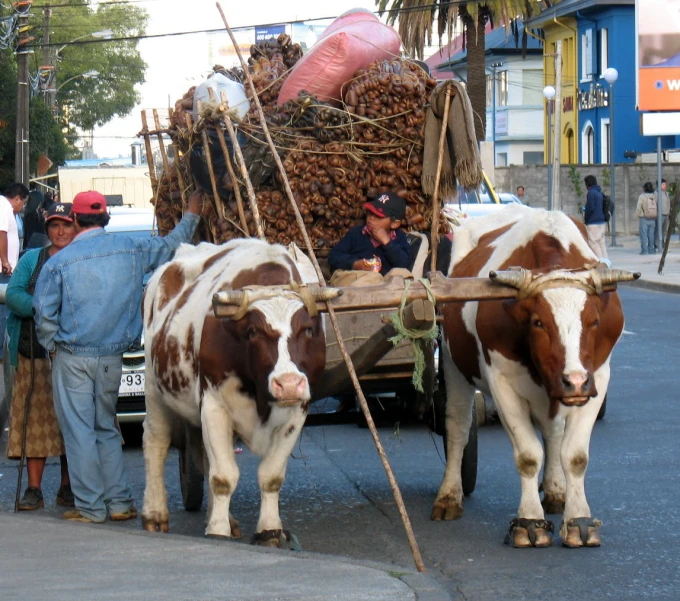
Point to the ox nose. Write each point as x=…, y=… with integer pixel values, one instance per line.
x=289, y=386
x=576, y=383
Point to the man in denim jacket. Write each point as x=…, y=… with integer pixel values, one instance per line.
x=87, y=306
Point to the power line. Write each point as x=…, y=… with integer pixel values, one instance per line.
x=423, y=8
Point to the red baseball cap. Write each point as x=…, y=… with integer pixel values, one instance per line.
x=89, y=203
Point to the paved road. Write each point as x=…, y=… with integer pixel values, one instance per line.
x=336, y=498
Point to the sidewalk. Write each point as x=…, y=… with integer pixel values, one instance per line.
x=47, y=558
x=627, y=256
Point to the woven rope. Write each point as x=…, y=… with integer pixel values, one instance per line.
x=420, y=339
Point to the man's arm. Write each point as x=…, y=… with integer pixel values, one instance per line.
x=6, y=267
x=46, y=307
x=161, y=248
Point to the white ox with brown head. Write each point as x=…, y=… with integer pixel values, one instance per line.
x=250, y=375
x=544, y=357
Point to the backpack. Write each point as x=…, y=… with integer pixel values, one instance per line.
x=606, y=207
x=649, y=207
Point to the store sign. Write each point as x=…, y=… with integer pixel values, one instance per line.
x=658, y=55
x=268, y=33
x=593, y=98
x=501, y=123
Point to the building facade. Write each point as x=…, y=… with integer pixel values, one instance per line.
x=514, y=101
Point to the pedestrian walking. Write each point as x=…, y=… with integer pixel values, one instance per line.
x=596, y=224
x=665, y=206
x=646, y=212
x=520, y=193
x=87, y=304
x=11, y=203
x=32, y=408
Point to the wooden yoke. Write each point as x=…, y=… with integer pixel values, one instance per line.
x=389, y=294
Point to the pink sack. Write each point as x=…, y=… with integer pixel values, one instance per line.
x=352, y=42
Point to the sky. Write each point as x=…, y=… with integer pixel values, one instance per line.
x=176, y=63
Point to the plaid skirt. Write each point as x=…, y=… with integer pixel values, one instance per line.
x=43, y=436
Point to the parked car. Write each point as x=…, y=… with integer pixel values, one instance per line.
x=131, y=406
x=508, y=198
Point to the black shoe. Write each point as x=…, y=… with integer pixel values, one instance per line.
x=32, y=499
x=65, y=496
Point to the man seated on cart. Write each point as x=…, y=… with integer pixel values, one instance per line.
x=376, y=248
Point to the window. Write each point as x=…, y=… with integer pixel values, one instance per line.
x=570, y=147
x=604, y=141
x=489, y=91
x=587, y=55
x=588, y=144
x=502, y=159
x=503, y=88
x=532, y=87
x=604, y=50
x=533, y=158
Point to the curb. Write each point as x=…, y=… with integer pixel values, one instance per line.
x=656, y=286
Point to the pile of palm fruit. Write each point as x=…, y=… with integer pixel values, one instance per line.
x=336, y=156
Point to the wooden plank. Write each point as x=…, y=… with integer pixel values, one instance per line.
x=417, y=315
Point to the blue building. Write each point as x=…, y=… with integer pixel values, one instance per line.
x=605, y=39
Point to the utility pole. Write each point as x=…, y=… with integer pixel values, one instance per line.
x=557, y=138
x=21, y=158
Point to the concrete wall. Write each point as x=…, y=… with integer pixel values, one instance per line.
x=629, y=181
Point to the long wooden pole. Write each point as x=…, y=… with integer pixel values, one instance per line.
x=333, y=318
x=149, y=155
x=436, y=209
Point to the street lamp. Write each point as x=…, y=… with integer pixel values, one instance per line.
x=549, y=94
x=106, y=34
x=86, y=75
x=611, y=75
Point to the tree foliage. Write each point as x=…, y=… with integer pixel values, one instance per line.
x=417, y=19
x=95, y=101
x=82, y=102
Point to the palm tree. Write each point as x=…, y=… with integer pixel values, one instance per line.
x=417, y=18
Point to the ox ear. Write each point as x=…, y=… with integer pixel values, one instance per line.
x=518, y=310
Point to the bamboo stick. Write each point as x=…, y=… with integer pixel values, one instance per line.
x=213, y=182
x=149, y=155
x=241, y=163
x=333, y=318
x=232, y=174
x=161, y=143
x=436, y=209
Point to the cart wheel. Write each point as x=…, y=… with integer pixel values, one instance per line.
x=480, y=409
x=191, y=481
x=603, y=408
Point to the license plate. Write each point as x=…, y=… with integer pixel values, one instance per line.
x=131, y=384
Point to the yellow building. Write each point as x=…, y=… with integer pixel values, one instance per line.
x=564, y=30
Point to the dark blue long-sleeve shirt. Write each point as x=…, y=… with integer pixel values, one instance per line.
x=357, y=245
x=594, y=211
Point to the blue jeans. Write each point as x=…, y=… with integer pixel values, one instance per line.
x=85, y=396
x=647, y=231
x=4, y=279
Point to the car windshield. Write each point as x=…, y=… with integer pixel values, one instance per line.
x=474, y=196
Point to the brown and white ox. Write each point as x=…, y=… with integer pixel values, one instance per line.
x=249, y=376
x=544, y=357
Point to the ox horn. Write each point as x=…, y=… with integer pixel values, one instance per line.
x=229, y=297
x=611, y=276
x=322, y=294
x=514, y=278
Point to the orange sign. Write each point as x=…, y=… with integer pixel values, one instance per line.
x=658, y=52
